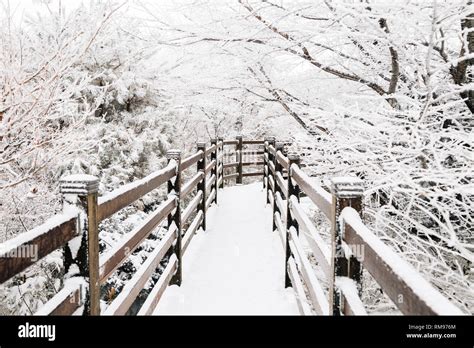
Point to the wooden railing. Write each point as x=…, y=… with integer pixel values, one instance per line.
x=353, y=245
x=76, y=231
x=183, y=211
x=246, y=156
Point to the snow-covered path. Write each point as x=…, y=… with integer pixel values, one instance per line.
x=236, y=266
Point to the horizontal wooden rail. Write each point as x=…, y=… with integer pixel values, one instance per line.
x=299, y=289
x=189, y=210
x=246, y=164
x=210, y=182
x=210, y=166
x=211, y=149
x=210, y=199
x=282, y=184
x=281, y=205
x=65, y=302
x=130, y=291
x=249, y=174
x=231, y=142
x=394, y=274
x=271, y=183
x=252, y=153
x=159, y=288
x=280, y=228
x=282, y=160
x=253, y=142
x=321, y=251
x=231, y=165
x=193, y=227
x=271, y=150
x=127, y=194
x=191, y=184
x=271, y=166
x=320, y=197
x=122, y=250
x=189, y=161
x=315, y=290
x=26, y=249
x=231, y=176
x=352, y=303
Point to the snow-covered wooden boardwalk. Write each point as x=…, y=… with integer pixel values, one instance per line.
x=237, y=265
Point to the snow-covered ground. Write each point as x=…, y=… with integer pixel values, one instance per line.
x=236, y=266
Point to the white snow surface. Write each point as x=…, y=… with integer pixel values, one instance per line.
x=236, y=266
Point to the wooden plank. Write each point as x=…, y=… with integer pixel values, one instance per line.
x=253, y=152
x=210, y=198
x=257, y=163
x=271, y=166
x=210, y=166
x=271, y=183
x=352, y=302
x=230, y=142
x=282, y=159
x=122, y=250
x=191, y=184
x=130, y=291
x=315, y=290
x=271, y=150
x=282, y=184
x=191, y=208
x=231, y=165
x=191, y=231
x=252, y=174
x=26, y=249
x=408, y=290
x=270, y=197
x=321, y=250
x=210, y=182
x=189, y=161
x=211, y=149
x=231, y=176
x=159, y=288
x=127, y=194
x=281, y=205
x=64, y=303
x=253, y=142
x=298, y=287
x=316, y=193
x=280, y=229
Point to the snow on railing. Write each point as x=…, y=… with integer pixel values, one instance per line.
x=408, y=290
x=26, y=249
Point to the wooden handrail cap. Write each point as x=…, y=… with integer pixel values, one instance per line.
x=347, y=186
x=173, y=154
x=81, y=184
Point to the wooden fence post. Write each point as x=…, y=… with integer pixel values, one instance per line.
x=346, y=192
x=278, y=169
x=201, y=166
x=214, y=170
x=81, y=191
x=271, y=142
x=240, y=158
x=265, y=165
x=174, y=188
x=293, y=190
x=221, y=155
